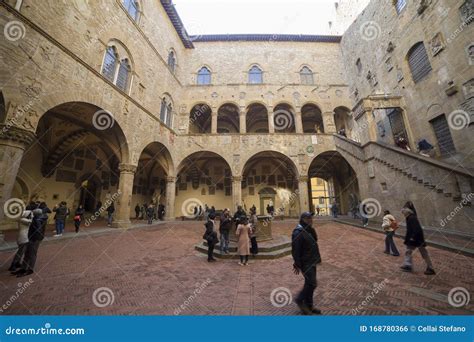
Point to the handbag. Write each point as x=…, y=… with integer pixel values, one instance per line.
x=77, y=218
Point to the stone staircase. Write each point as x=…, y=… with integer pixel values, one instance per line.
x=273, y=249
x=439, y=190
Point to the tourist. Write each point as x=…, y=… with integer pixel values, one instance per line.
x=206, y=212
x=210, y=236
x=22, y=237
x=35, y=236
x=110, y=213
x=364, y=215
x=390, y=225
x=224, y=229
x=334, y=209
x=402, y=143
x=149, y=213
x=411, y=206
x=253, y=208
x=78, y=217
x=239, y=214
x=414, y=239
x=200, y=213
x=243, y=243
x=318, y=209
x=143, y=211
x=161, y=211
x=305, y=252
x=62, y=212
x=137, y=211
x=98, y=209
x=253, y=235
x=268, y=209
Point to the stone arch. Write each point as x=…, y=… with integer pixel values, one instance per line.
x=228, y=118
x=284, y=117
x=312, y=118
x=256, y=117
x=203, y=178
x=273, y=170
x=200, y=118
x=340, y=177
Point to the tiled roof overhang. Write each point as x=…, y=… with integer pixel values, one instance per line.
x=177, y=23
x=267, y=38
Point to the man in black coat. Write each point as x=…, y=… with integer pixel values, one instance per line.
x=305, y=251
x=414, y=239
x=224, y=228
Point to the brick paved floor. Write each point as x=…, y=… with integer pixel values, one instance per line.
x=157, y=271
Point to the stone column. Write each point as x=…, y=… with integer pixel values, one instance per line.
x=124, y=196
x=214, y=122
x=298, y=122
x=303, y=193
x=271, y=120
x=13, y=142
x=328, y=122
x=170, y=198
x=236, y=192
x=243, y=122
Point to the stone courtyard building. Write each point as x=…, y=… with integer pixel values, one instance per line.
x=113, y=99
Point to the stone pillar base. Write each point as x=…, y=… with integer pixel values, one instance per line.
x=121, y=224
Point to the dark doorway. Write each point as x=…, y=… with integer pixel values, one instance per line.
x=89, y=195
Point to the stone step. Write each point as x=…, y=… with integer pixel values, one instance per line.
x=280, y=253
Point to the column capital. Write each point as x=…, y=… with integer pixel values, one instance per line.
x=170, y=179
x=16, y=134
x=127, y=168
x=236, y=178
x=303, y=179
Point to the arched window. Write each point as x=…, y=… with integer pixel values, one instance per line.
x=166, y=111
x=123, y=74
x=172, y=60
x=419, y=63
x=110, y=63
x=132, y=8
x=399, y=5
x=255, y=75
x=204, y=76
x=117, y=65
x=306, y=76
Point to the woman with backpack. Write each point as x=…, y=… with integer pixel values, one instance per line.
x=78, y=217
x=390, y=225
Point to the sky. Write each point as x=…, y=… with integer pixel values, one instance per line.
x=256, y=16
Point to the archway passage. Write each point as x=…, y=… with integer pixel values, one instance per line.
x=332, y=180
x=149, y=185
x=203, y=178
x=200, y=119
x=312, y=119
x=228, y=119
x=75, y=157
x=284, y=118
x=270, y=178
x=257, y=118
